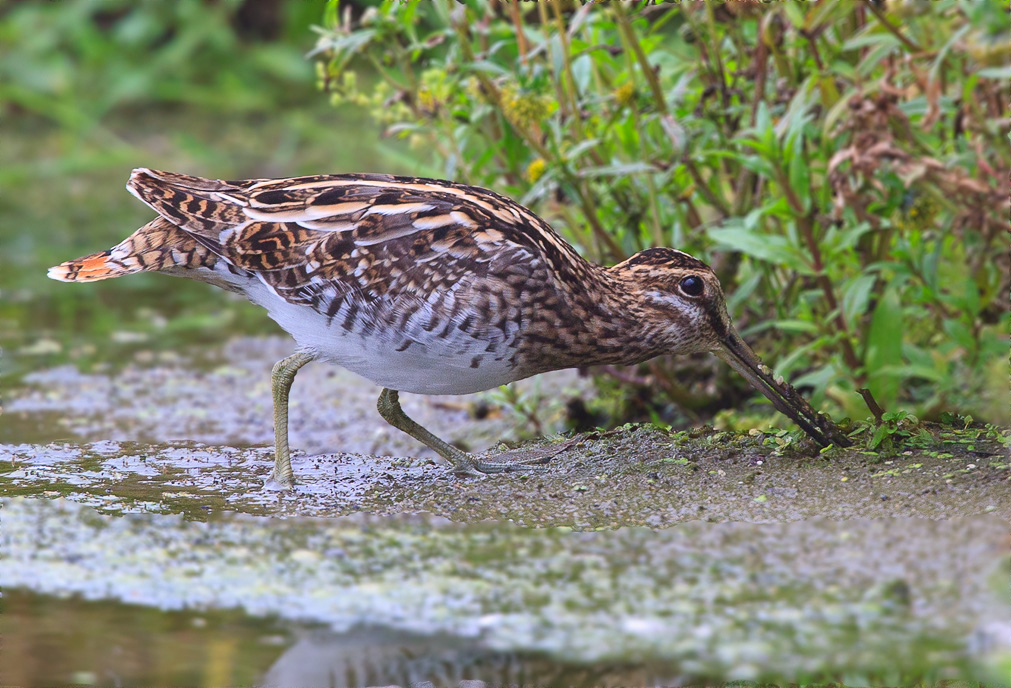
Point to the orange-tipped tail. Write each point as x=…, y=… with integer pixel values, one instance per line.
x=97, y=266
x=158, y=246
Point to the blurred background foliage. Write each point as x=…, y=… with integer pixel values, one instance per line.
x=90, y=89
x=841, y=165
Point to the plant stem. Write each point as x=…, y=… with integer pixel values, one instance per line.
x=805, y=222
x=704, y=189
x=640, y=56
x=521, y=38
x=872, y=404
x=714, y=51
x=570, y=92
x=894, y=30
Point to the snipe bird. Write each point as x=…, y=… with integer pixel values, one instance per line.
x=428, y=287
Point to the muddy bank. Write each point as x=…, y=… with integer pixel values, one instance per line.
x=192, y=435
x=638, y=475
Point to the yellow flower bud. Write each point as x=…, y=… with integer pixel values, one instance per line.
x=625, y=94
x=535, y=170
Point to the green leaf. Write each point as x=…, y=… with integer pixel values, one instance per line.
x=580, y=148
x=795, y=13
x=866, y=39
x=330, y=14
x=836, y=111
x=796, y=326
x=771, y=248
x=1002, y=73
x=856, y=296
x=963, y=295
x=935, y=69
x=839, y=240
x=618, y=170
x=960, y=333
x=876, y=56
x=819, y=378
x=485, y=67
x=582, y=72
x=353, y=42
x=799, y=173
x=557, y=52
x=904, y=372
x=755, y=163
x=882, y=432
x=798, y=357
x=825, y=12
x=884, y=347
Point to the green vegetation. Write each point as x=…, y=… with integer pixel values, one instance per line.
x=839, y=164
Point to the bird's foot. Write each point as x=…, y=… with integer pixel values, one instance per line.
x=471, y=465
x=522, y=460
x=279, y=483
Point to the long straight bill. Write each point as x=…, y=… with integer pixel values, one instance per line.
x=739, y=356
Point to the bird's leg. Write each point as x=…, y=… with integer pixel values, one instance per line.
x=281, y=378
x=462, y=462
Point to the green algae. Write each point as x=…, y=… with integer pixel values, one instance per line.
x=701, y=600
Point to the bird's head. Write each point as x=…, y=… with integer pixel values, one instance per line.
x=682, y=295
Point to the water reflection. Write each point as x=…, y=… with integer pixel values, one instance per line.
x=376, y=658
x=59, y=641
x=66, y=640
x=53, y=641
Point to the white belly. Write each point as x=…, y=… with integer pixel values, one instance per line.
x=453, y=365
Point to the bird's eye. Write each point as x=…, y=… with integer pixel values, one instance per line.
x=692, y=286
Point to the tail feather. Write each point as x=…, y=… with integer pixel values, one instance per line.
x=157, y=246
x=91, y=268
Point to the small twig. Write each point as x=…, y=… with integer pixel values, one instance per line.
x=569, y=88
x=892, y=28
x=812, y=39
x=805, y=223
x=640, y=56
x=703, y=188
x=675, y=392
x=521, y=38
x=872, y=404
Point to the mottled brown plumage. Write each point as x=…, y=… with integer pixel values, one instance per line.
x=427, y=286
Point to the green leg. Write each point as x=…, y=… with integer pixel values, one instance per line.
x=280, y=381
x=462, y=462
